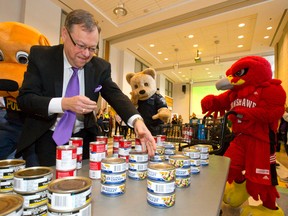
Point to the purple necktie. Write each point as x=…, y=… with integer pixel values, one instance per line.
x=64, y=128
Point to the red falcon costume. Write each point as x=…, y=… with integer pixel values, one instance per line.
x=259, y=101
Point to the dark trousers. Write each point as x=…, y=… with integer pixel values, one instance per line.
x=43, y=151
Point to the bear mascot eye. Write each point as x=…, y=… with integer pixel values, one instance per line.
x=22, y=57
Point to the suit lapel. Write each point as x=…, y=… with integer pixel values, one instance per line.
x=58, y=71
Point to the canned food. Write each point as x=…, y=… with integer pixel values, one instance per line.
x=204, y=162
x=160, y=150
x=137, y=175
x=168, y=152
x=83, y=211
x=113, y=165
x=8, y=167
x=161, y=200
x=203, y=148
x=124, y=151
x=160, y=187
x=113, y=190
x=69, y=193
x=138, y=157
x=138, y=146
x=160, y=139
x=11, y=205
x=66, y=157
x=94, y=170
x=157, y=158
x=32, y=200
x=195, y=170
x=78, y=142
x=182, y=182
x=161, y=172
x=195, y=162
x=179, y=161
x=63, y=174
x=6, y=185
x=39, y=210
x=193, y=153
x=113, y=178
x=97, y=151
x=116, y=139
x=183, y=172
x=32, y=179
x=103, y=139
x=169, y=145
x=138, y=166
x=125, y=143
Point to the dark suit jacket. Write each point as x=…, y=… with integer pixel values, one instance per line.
x=44, y=80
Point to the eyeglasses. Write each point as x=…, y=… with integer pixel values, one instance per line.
x=82, y=47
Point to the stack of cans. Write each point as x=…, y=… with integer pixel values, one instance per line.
x=204, y=154
x=66, y=161
x=138, y=146
x=97, y=153
x=194, y=155
x=161, y=185
x=70, y=196
x=125, y=146
x=169, y=149
x=113, y=176
x=31, y=183
x=183, y=170
x=7, y=170
x=116, y=139
x=78, y=142
x=159, y=155
x=138, y=163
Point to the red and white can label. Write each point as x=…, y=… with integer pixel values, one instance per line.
x=138, y=146
x=78, y=142
x=124, y=143
x=160, y=139
x=116, y=139
x=124, y=151
x=66, y=157
x=62, y=174
x=97, y=146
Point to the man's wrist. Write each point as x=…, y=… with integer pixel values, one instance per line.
x=137, y=119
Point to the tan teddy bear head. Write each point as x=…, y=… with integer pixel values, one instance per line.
x=143, y=84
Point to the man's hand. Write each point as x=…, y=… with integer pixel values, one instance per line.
x=79, y=104
x=146, y=138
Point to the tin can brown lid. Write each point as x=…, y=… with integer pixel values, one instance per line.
x=179, y=157
x=161, y=166
x=69, y=184
x=66, y=147
x=11, y=162
x=134, y=152
x=33, y=172
x=113, y=160
x=10, y=203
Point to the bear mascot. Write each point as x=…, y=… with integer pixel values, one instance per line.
x=150, y=104
x=16, y=40
x=259, y=103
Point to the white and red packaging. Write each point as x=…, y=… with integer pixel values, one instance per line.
x=78, y=142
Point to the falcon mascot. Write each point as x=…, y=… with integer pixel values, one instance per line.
x=259, y=103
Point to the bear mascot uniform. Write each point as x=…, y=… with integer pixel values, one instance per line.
x=151, y=105
x=16, y=40
x=259, y=102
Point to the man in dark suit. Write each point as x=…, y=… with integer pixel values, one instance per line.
x=42, y=98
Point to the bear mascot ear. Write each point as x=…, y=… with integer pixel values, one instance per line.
x=16, y=39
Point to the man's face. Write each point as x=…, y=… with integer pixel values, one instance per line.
x=79, y=45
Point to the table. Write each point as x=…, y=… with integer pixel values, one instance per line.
x=203, y=197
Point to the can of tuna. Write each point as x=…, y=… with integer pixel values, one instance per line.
x=160, y=187
x=137, y=175
x=78, y=142
x=160, y=150
x=183, y=172
x=32, y=179
x=8, y=167
x=6, y=186
x=162, y=172
x=169, y=145
x=179, y=161
x=113, y=179
x=69, y=193
x=161, y=200
x=63, y=174
x=113, y=165
x=97, y=151
x=203, y=148
x=66, y=157
x=11, y=204
x=193, y=153
x=105, y=140
x=113, y=190
x=124, y=152
x=83, y=211
x=138, y=157
x=157, y=158
x=169, y=152
x=160, y=139
x=195, y=170
x=39, y=210
x=94, y=170
x=33, y=200
x=138, y=146
x=182, y=182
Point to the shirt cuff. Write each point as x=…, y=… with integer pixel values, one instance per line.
x=55, y=106
x=132, y=119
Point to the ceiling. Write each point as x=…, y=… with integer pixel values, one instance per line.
x=168, y=23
